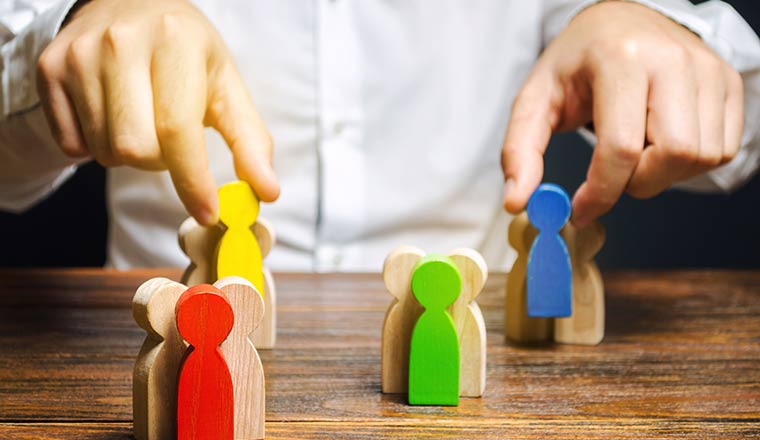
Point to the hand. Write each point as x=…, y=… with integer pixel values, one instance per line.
x=135, y=83
x=664, y=107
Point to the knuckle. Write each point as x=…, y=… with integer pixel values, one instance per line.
x=625, y=150
x=735, y=81
x=643, y=186
x=677, y=54
x=681, y=149
x=512, y=157
x=508, y=164
x=712, y=65
x=601, y=194
x=626, y=49
x=605, y=201
x=170, y=128
x=47, y=64
x=729, y=153
x=532, y=90
x=504, y=157
x=106, y=159
x=69, y=145
x=118, y=36
x=524, y=107
x=710, y=157
x=519, y=103
x=172, y=25
x=640, y=192
x=78, y=53
x=628, y=152
x=132, y=150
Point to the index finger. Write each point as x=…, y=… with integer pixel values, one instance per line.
x=179, y=88
x=232, y=113
x=534, y=117
x=619, y=108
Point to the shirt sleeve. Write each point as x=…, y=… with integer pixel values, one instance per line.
x=726, y=33
x=31, y=165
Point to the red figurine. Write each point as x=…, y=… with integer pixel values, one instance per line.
x=205, y=400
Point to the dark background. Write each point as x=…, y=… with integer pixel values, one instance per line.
x=675, y=229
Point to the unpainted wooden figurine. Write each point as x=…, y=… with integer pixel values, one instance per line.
x=242, y=359
x=586, y=325
x=154, y=380
x=519, y=327
x=469, y=322
x=199, y=244
x=400, y=318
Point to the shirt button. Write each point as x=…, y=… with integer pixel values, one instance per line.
x=338, y=128
x=329, y=258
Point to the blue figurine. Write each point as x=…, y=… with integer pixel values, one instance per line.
x=549, y=274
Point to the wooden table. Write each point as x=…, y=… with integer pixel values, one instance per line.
x=681, y=359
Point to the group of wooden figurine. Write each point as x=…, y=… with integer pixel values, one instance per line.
x=434, y=335
x=198, y=374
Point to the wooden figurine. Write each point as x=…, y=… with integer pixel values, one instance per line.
x=238, y=252
x=400, y=318
x=519, y=327
x=202, y=243
x=469, y=322
x=154, y=384
x=205, y=400
x=199, y=244
x=549, y=279
x=586, y=325
x=265, y=334
x=156, y=373
x=405, y=310
x=434, y=348
x=242, y=359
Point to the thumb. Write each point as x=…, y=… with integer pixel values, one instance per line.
x=231, y=112
x=534, y=118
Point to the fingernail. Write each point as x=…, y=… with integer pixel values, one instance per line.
x=508, y=187
x=208, y=217
x=269, y=171
x=266, y=186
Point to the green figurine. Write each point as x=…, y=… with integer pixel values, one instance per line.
x=434, y=352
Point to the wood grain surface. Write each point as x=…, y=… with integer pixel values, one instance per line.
x=680, y=359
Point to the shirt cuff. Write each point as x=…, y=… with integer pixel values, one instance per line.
x=705, y=20
x=20, y=56
x=17, y=197
x=680, y=11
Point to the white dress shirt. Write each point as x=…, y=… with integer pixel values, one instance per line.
x=387, y=116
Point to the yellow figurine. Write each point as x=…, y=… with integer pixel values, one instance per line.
x=238, y=253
